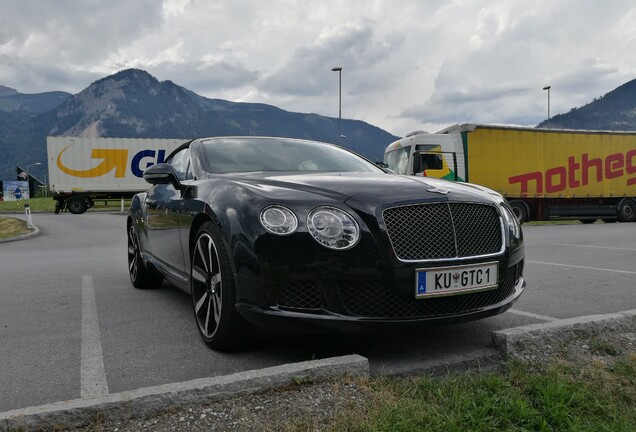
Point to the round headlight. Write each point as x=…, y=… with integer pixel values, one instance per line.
x=333, y=228
x=279, y=220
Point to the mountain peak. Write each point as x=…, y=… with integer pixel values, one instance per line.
x=130, y=103
x=130, y=75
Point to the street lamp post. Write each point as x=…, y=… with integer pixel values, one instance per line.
x=339, y=70
x=548, y=89
x=29, y=177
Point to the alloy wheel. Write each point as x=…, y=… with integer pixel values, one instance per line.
x=207, y=285
x=133, y=253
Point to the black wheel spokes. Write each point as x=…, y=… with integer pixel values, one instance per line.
x=133, y=251
x=206, y=285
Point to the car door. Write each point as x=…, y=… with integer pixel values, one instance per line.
x=163, y=207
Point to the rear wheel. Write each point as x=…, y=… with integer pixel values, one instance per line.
x=214, y=292
x=76, y=205
x=627, y=210
x=520, y=210
x=140, y=276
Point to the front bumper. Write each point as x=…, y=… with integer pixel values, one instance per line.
x=392, y=313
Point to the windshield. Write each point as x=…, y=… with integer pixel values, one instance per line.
x=225, y=155
x=398, y=159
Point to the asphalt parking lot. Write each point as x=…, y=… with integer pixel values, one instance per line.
x=72, y=326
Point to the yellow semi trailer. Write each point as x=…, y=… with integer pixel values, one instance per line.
x=543, y=173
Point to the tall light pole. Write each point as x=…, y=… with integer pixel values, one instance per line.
x=28, y=176
x=339, y=70
x=548, y=89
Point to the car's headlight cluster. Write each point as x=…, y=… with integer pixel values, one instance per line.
x=511, y=220
x=279, y=220
x=333, y=228
x=329, y=226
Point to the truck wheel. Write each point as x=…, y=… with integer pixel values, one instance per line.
x=627, y=210
x=140, y=276
x=519, y=209
x=76, y=205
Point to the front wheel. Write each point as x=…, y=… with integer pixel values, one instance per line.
x=214, y=292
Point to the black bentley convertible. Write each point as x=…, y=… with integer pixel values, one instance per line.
x=299, y=235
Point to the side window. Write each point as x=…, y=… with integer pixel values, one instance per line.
x=181, y=164
x=432, y=161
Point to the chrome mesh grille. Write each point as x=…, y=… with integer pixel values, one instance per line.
x=443, y=230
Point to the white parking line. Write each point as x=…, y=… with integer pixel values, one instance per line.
x=531, y=315
x=583, y=267
x=591, y=246
x=92, y=373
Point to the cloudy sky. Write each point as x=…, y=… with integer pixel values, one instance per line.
x=406, y=64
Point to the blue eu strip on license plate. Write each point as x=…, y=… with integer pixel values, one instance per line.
x=455, y=280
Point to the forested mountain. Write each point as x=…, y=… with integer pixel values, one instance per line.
x=614, y=111
x=133, y=103
x=12, y=100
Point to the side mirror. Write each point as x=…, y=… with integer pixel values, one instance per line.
x=162, y=173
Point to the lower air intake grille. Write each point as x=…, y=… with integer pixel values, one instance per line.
x=378, y=300
x=302, y=295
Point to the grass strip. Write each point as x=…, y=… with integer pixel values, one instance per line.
x=11, y=227
x=561, y=396
x=47, y=205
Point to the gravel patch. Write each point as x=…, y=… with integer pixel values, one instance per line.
x=307, y=407
x=604, y=349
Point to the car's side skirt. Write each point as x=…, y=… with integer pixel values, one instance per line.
x=174, y=276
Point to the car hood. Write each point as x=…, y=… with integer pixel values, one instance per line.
x=370, y=188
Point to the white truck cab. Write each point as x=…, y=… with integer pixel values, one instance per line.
x=430, y=155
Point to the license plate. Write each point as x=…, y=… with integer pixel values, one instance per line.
x=444, y=281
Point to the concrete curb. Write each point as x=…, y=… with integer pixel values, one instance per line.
x=514, y=340
x=151, y=400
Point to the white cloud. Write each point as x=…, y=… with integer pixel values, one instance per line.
x=412, y=64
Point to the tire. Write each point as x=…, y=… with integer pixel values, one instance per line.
x=76, y=205
x=140, y=276
x=627, y=210
x=587, y=221
x=213, y=292
x=520, y=210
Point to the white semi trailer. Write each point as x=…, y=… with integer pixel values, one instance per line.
x=82, y=170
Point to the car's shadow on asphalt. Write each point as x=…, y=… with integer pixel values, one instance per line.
x=406, y=347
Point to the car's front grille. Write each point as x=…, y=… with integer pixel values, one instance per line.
x=378, y=300
x=301, y=295
x=443, y=231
